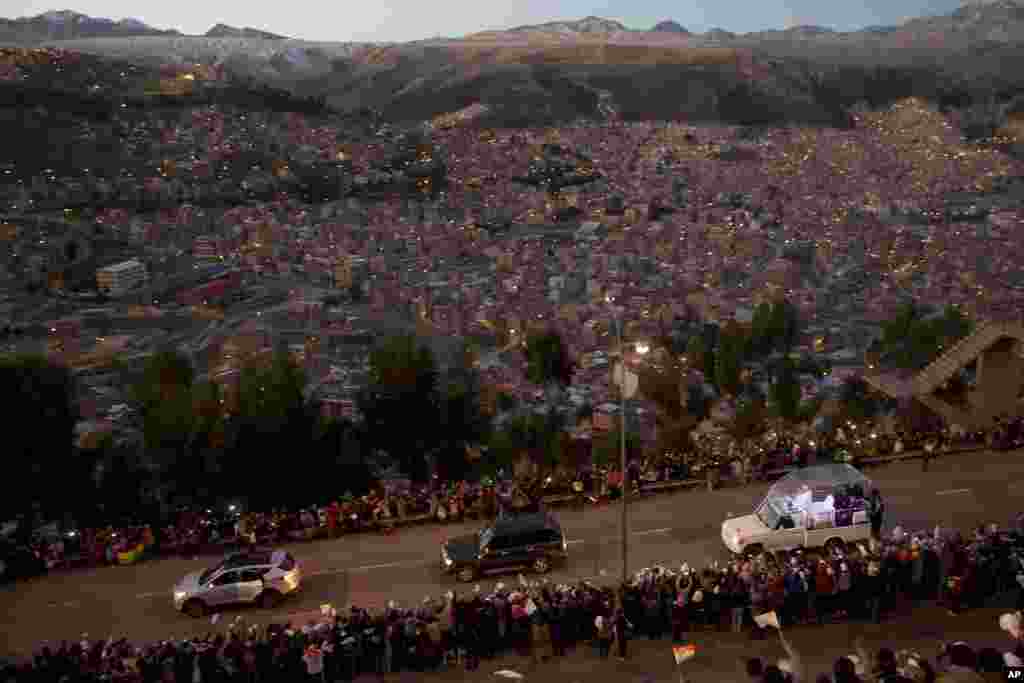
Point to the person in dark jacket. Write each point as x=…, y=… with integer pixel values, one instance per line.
x=620, y=626
x=876, y=513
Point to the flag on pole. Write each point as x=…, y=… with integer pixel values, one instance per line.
x=683, y=653
x=768, y=619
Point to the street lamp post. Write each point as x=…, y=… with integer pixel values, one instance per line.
x=628, y=383
x=623, y=388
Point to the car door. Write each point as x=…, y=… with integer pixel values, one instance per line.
x=222, y=588
x=500, y=553
x=249, y=585
x=521, y=548
x=787, y=539
x=539, y=544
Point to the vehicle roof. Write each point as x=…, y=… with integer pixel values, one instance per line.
x=249, y=558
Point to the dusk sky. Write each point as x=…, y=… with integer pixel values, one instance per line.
x=403, y=20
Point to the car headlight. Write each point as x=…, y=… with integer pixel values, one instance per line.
x=179, y=596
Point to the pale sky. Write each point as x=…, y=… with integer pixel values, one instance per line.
x=404, y=20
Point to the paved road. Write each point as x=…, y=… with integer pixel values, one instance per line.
x=958, y=491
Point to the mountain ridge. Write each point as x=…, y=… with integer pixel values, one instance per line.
x=227, y=31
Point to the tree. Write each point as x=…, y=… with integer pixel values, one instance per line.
x=607, y=448
x=339, y=460
x=701, y=355
x=910, y=340
x=729, y=360
x=784, y=326
x=857, y=400
x=41, y=404
x=463, y=424
x=761, y=336
x=273, y=419
x=164, y=397
x=120, y=486
x=667, y=388
x=750, y=419
x=400, y=403
x=548, y=364
x=785, y=390
x=547, y=360
x=538, y=436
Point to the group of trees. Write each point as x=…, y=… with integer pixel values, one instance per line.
x=722, y=353
x=264, y=441
x=913, y=337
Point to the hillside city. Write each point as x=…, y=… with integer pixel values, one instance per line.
x=238, y=320
x=525, y=229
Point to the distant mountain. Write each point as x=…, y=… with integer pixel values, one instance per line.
x=598, y=68
x=70, y=25
x=225, y=31
x=584, y=25
x=719, y=34
x=669, y=26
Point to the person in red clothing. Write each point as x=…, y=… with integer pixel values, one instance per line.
x=824, y=587
x=333, y=512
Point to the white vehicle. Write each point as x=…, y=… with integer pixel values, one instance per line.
x=821, y=506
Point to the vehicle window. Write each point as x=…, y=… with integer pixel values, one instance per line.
x=486, y=536
x=252, y=575
x=288, y=563
x=248, y=559
x=534, y=537
x=205, y=576
x=550, y=536
x=768, y=515
x=226, y=578
x=500, y=542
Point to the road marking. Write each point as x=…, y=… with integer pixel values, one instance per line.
x=951, y=492
x=396, y=565
x=388, y=565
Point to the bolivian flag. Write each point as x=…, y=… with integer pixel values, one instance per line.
x=683, y=653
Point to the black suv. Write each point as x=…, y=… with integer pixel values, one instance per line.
x=531, y=540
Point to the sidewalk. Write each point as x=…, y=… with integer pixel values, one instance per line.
x=721, y=656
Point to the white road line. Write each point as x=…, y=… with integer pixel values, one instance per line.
x=389, y=565
x=154, y=594
x=651, y=531
x=577, y=542
x=951, y=492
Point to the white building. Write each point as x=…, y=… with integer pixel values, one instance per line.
x=120, y=278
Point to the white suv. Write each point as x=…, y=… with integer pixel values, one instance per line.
x=260, y=577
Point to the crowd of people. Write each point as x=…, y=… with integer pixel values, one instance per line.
x=541, y=620
x=196, y=531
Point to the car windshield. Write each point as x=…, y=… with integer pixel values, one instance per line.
x=485, y=537
x=205, y=576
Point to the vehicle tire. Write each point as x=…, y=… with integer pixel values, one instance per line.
x=466, y=574
x=752, y=551
x=269, y=599
x=834, y=545
x=541, y=565
x=195, y=609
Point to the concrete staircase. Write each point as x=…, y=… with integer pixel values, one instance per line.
x=923, y=384
x=962, y=354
